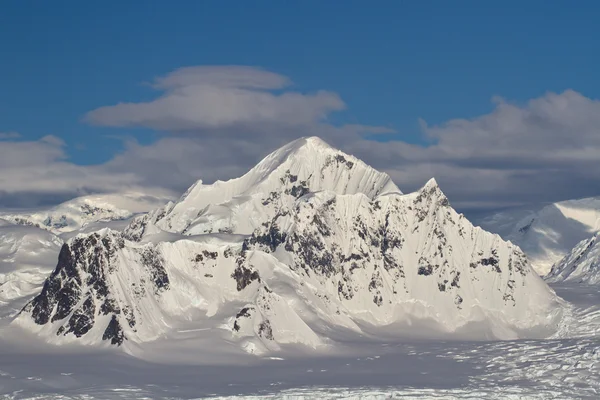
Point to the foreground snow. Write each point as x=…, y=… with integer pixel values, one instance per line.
x=565, y=367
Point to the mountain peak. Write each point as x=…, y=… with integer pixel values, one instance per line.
x=306, y=165
x=432, y=183
x=316, y=142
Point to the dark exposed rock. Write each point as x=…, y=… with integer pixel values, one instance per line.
x=490, y=261
x=342, y=160
x=298, y=190
x=270, y=239
x=458, y=300
x=211, y=255
x=426, y=270
x=114, y=332
x=244, y=277
x=129, y=316
x=288, y=177
x=154, y=262
x=265, y=330
x=244, y=312
x=271, y=198
x=53, y=291
x=82, y=319
x=344, y=290
x=456, y=280
x=312, y=254
x=378, y=300
x=109, y=306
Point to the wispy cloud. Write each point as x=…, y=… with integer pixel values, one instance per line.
x=9, y=135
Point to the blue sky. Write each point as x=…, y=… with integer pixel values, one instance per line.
x=392, y=62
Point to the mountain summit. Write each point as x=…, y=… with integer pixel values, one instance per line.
x=240, y=205
x=308, y=247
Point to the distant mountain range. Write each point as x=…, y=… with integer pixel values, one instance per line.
x=549, y=233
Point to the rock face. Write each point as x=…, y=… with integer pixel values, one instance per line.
x=308, y=242
x=581, y=265
x=548, y=234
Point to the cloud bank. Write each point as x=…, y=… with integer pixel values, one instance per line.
x=222, y=120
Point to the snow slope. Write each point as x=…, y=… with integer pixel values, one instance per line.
x=79, y=212
x=27, y=256
x=581, y=265
x=240, y=205
x=550, y=233
x=308, y=245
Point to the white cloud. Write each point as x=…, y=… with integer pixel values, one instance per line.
x=545, y=150
x=198, y=98
x=228, y=118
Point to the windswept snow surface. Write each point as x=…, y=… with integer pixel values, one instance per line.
x=566, y=366
x=548, y=234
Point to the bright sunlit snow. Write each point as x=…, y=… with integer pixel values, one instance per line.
x=312, y=275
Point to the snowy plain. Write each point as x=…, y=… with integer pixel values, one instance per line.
x=566, y=366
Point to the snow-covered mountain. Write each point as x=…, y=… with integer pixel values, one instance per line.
x=310, y=243
x=582, y=264
x=79, y=212
x=27, y=256
x=548, y=234
x=241, y=205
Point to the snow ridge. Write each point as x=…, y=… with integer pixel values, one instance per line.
x=581, y=265
x=240, y=205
